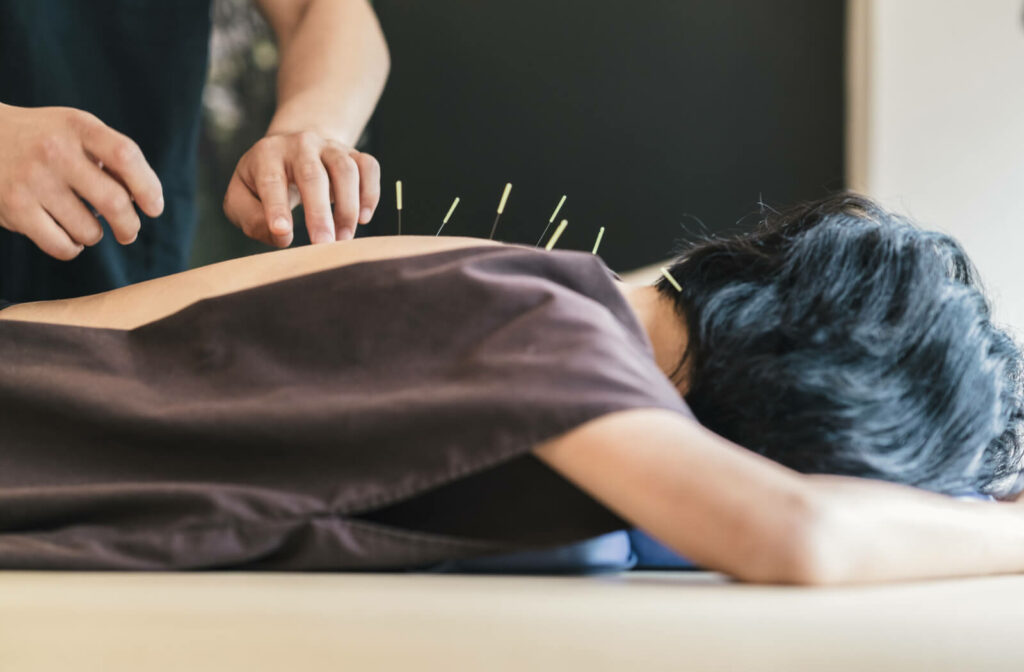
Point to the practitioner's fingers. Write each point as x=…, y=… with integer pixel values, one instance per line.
x=310, y=176
x=320, y=170
x=48, y=236
x=71, y=215
x=107, y=195
x=260, y=176
x=344, y=174
x=245, y=211
x=122, y=157
x=369, y=185
x=271, y=185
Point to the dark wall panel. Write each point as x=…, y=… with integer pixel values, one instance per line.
x=647, y=113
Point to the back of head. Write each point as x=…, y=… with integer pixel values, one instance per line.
x=840, y=338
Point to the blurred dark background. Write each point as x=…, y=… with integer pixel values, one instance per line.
x=660, y=119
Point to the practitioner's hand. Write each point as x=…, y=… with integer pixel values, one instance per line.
x=50, y=158
x=260, y=196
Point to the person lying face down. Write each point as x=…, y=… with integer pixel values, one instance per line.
x=241, y=415
x=840, y=338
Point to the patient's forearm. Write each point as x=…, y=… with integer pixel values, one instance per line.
x=873, y=531
x=734, y=511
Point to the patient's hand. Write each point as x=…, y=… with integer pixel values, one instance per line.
x=259, y=200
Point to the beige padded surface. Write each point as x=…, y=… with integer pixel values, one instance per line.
x=635, y=622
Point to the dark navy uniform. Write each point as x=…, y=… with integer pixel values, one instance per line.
x=138, y=65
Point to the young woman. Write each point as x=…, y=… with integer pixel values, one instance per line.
x=391, y=403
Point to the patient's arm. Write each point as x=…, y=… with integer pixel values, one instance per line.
x=732, y=510
x=138, y=304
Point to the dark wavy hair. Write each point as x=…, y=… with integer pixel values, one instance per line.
x=840, y=338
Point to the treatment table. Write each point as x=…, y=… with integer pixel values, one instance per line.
x=622, y=621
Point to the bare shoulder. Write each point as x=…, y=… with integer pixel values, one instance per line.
x=132, y=306
x=609, y=432
x=625, y=449
x=629, y=459
x=618, y=455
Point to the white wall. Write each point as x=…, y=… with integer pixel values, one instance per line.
x=937, y=126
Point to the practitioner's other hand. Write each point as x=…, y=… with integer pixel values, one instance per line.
x=50, y=159
x=260, y=196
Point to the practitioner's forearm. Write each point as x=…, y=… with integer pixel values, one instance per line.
x=334, y=62
x=871, y=531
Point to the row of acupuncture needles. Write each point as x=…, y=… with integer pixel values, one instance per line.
x=559, y=230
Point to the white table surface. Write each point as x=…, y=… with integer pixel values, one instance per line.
x=627, y=622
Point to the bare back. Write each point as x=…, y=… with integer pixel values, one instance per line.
x=135, y=305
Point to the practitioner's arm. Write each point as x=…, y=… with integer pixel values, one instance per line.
x=334, y=63
x=732, y=510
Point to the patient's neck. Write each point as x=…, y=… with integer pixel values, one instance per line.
x=665, y=328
